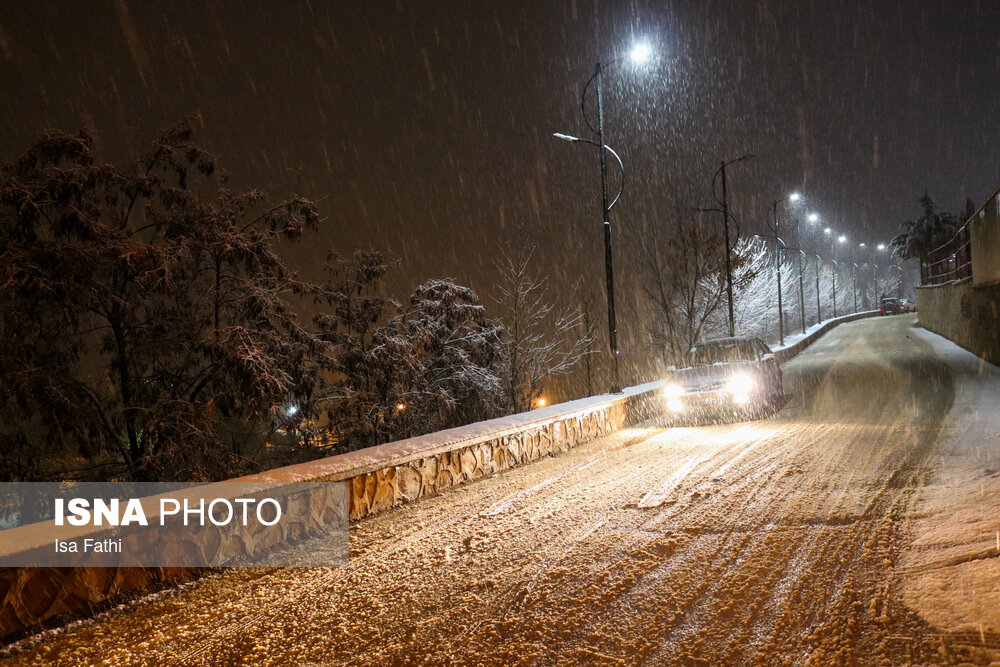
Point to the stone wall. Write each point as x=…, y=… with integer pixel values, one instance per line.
x=388, y=487
x=379, y=478
x=964, y=313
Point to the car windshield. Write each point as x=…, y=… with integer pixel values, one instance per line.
x=721, y=353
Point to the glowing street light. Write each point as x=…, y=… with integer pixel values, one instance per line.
x=813, y=217
x=841, y=239
x=777, y=260
x=881, y=246
x=640, y=53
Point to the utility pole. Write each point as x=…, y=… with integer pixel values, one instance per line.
x=729, y=266
x=854, y=278
x=608, y=269
x=777, y=264
x=819, y=265
x=834, y=271
x=802, y=291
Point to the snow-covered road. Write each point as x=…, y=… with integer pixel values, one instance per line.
x=729, y=544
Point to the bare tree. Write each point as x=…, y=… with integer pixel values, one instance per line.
x=685, y=283
x=587, y=327
x=537, y=341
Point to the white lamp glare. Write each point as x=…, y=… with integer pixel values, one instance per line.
x=640, y=53
x=794, y=196
x=813, y=217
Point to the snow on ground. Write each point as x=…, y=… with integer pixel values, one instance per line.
x=777, y=541
x=952, y=569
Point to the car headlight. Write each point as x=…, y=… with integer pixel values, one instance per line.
x=673, y=391
x=740, y=384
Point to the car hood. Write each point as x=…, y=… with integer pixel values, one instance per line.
x=710, y=378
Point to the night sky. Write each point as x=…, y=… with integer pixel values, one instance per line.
x=424, y=127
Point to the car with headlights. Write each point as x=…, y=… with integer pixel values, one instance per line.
x=724, y=378
x=908, y=306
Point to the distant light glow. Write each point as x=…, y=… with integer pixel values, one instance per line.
x=861, y=245
x=841, y=239
x=640, y=53
x=542, y=402
x=795, y=196
x=827, y=231
x=292, y=410
x=813, y=217
x=401, y=406
x=881, y=246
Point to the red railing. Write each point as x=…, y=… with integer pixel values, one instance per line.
x=949, y=261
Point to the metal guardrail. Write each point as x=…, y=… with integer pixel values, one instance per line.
x=949, y=261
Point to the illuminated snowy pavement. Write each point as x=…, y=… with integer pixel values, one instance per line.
x=779, y=540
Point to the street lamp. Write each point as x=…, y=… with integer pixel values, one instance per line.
x=833, y=271
x=777, y=262
x=639, y=54
x=621, y=165
x=802, y=289
x=819, y=266
x=724, y=203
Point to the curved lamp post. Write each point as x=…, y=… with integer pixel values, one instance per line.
x=724, y=203
x=639, y=54
x=777, y=262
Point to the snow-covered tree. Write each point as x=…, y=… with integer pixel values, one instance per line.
x=879, y=287
x=355, y=386
x=918, y=237
x=755, y=294
x=391, y=372
x=537, y=340
x=144, y=325
x=452, y=350
x=685, y=285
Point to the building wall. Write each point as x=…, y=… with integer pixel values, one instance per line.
x=965, y=313
x=984, y=228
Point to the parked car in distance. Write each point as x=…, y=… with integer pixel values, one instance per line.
x=891, y=306
x=724, y=378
